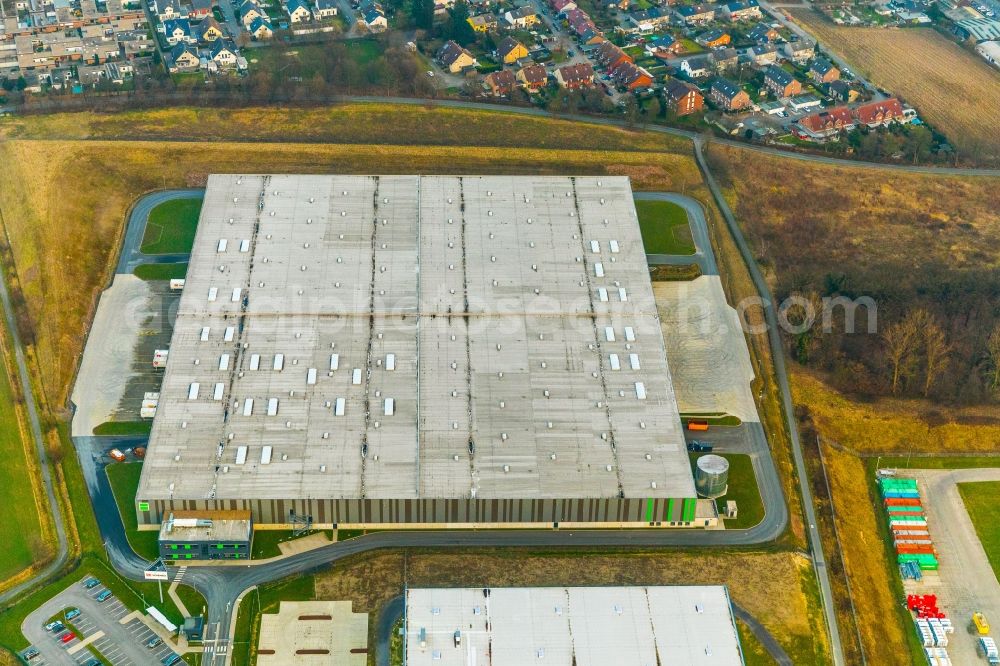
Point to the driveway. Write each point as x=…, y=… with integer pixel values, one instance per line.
x=965, y=583
x=120, y=643
x=131, y=255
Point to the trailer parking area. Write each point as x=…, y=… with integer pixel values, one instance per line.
x=965, y=582
x=109, y=627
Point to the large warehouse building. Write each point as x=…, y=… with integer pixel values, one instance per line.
x=571, y=626
x=404, y=350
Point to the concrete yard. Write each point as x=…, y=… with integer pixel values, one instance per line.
x=708, y=353
x=965, y=582
x=109, y=360
x=313, y=633
x=412, y=337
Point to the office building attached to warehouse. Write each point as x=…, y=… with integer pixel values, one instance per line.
x=419, y=350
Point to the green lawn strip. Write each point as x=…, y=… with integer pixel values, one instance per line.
x=171, y=227
x=124, y=428
x=982, y=501
x=719, y=419
x=265, y=599
x=151, y=272
x=935, y=462
x=664, y=227
x=396, y=656
x=265, y=542
x=742, y=489
x=124, y=480
x=904, y=617
x=20, y=529
x=754, y=653
x=79, y=634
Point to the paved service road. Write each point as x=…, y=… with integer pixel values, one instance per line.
x=120, y=644
x=965, y=583
x=390, y=614
x=131, y=255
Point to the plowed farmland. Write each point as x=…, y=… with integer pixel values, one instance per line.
x=951, y=88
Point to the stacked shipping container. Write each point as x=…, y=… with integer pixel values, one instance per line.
x=908, y=523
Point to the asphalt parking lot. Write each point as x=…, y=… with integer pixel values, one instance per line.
x=100, y=623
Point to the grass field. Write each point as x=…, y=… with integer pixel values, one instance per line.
x=664, y=227
x=743, y=490
x=21, y=530
x=124, y=428
x=160, y=271
x=124, y=479
x=982, y=501
x=171, y=227
x=927, y=70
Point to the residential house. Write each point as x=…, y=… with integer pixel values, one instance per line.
x=663, y=46
x=574, y=77
x=762, y=33
x=561, y=6
x=825, y=124
x=182, y=58
x=649, y=20
x=630, y=76
x=325, y=9
x=298, y=11
x=726, y=59
x=224, y=53
x=454, y=58
x=169, y=9
x=483, y=23
x=682, y=97
x=209, y=30
x=178, y=31
x=842, y=91
x=609, y=56
x=727, y=95
x=510, y=50
x=581, y=25
x=800, y=50
x=521, y=18
x=532, y=78
x=780, y=82
x=200, y=9
x=714, y=38
x=500, y=83
x=882, y=112
x=374, y=18
x=823, y=71
x=249, y=11
x=762, y=55
x=696, y=14
x=261, y=28
x=745, y=10
x=697, y=66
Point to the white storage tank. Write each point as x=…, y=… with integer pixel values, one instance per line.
x=711, y=477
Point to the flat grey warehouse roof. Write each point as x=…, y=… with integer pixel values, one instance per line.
x=407, y=337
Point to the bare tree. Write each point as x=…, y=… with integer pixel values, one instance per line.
x=900, y=341
x=993, y=349
x=937, y=352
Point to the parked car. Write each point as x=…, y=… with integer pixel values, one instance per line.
x=30, y=653
x=55, y=625
x=72, y=613
x=67, y=637
x=170, y=659
x=91, y=583
x=103, y=596
x=93, y=661
x=153, y=642
x=699, y=447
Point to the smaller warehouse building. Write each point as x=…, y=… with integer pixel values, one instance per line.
x=578, y=626
x=206, y=535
